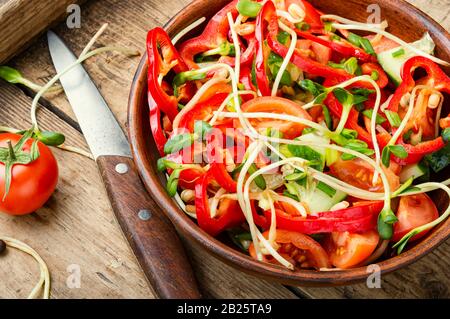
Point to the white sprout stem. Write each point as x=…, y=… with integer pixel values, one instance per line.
x=44, y=89
x=408, y=114
x=237, y=64
x=76, y=150
x=340, y=85
x=436, y=221
x=369, y=28
x=253, y=150
x=44, y=273
x=287, y=58
x=225, y=102
x=94, y=39
x=186, y=30
x=198, y=95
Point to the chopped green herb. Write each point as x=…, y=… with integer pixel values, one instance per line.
x=398, y=53
x=330, y=191
x=303, y=26
x=393, y=118
x=369, y=113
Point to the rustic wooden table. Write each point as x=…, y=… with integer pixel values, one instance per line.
x=77, y=230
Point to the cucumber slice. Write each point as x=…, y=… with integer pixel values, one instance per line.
x=413, y=170
x=393, y=65
x=318, y=201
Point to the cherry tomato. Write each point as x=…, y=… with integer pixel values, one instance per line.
x=414, y=211
x=347, y=250
x=31, y=184
x=301, y=250
x=277, y=105
x=360, y=173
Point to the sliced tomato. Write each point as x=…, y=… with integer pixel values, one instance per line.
x=277, y=105
x=383, y=45
x=359, y=173
x=347, y=250
x=299, y=249
x=322, y=53
x=202, y=111
x=414, y=211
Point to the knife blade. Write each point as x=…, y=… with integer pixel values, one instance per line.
x=150, y=234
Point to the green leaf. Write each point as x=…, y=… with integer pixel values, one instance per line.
x=350, y=134
x=259, y=180
x=388, y=216
x=446, y=134
x=344, y=97
x=287, y=194
x=327, y=117
x=351, y=65
x=385, y=230
x=347, y=157
x=398, y=150
x=182, y=77
x=405, y=186
x=369, y=113
x=393, y=118
x=440, y=159
x=309, y=154
x=303, y=26
x=314, y=88
x=386, y=156
x=51, y=138
x=354, y=39
x=178, y=142
x=10, y=75
x=201, y=129
x=283, y=37
x=367, y=46
x=295, y=176
x=248, y=8
x=274, y=62
x=330, y=191
x=375, y=75
x=161, y=164
x=172, y=182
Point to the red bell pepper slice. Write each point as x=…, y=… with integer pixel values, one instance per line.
x=158, y=40
x=436, y=78
x=358, y=218
x=246, y=56
x=201, y=111
x=335, y=108
x=267, y=15
x=308, y=65
x=417, y=152
x=368, y=68
x=214, y=34
x=231, y=217
x=346, y=49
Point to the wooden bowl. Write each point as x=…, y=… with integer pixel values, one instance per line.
x=405, y=21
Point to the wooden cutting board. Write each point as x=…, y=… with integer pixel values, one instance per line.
x=23, y=20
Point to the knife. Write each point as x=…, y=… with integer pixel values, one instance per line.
x=150, y=234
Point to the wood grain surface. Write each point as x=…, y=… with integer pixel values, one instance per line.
x=77, y=226
x=33, y=17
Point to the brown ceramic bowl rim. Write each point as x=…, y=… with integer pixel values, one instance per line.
x=189, y=229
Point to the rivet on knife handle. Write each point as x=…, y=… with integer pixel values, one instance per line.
x=149, y=232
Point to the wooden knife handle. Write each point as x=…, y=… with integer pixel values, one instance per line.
x=149, y=232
